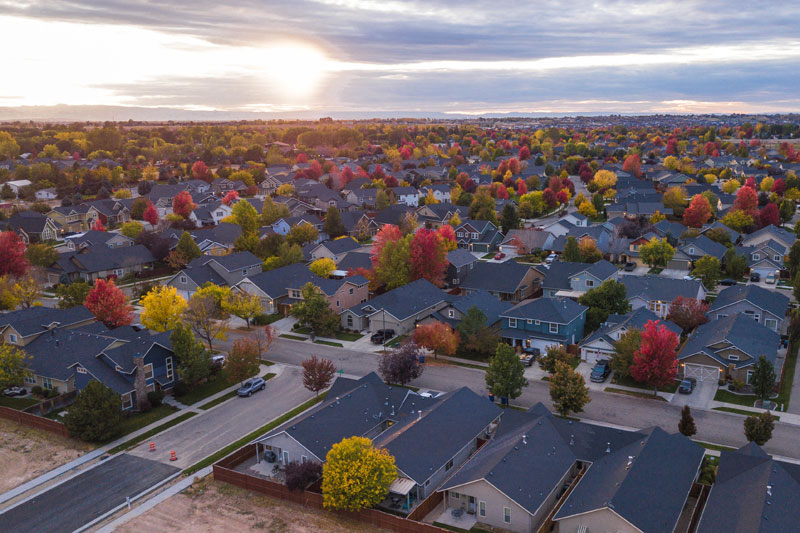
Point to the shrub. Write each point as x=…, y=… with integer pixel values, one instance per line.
x=180, y=388
x=37, y=390
x=96, y=414
x=261, y=319
x=145, y=407
x=155, y=397
x=300, y=475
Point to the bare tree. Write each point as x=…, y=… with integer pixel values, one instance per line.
x=204, y=318
x=317, y=373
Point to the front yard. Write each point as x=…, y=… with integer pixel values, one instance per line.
x=630, y=382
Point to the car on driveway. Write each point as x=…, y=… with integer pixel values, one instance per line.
x=687, y=386
x=15, y=391
x=629, y=267
x=250, y=386
x=755, y=276
x=381, y=336
x=499, y=256
x=728, y=282
x=770, y=278
x=600, y=372
x=550, y=258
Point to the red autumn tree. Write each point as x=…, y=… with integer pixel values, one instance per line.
x=378, y=174
x=390, y=181
x=769, y=215
x=750, y=183
x=522, y=187
x=230, y=197
x=428, y=256
x=549, y=198
x=779, y=186
x=317, y=374
x=182, y=204
x=387, y=233
x=315, y=170
x=562, y=197
x=524, y=153
x=12, y=255
x=655, y=362
x=301, y=158
x=448, y=234
x=469, y=186
x=513, y=165
x=500, y=192
x=698, y=212
x=437, y=337
x=150, y=214
x=633, y=164
x=747, y=201
x=688, y=313
x=108, y=304
x=346, y=176
x=200, y=171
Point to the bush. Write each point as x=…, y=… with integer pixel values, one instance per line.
x=96, y=415
x=37, y=390
x=145, y=407
x=180, y=389
x=300, y=475
x=155, y=397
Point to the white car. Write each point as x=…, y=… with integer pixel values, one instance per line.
x=550, y=258
x=770, y=278
x=218, y=359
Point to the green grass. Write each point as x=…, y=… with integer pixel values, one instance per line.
x=655, y=270
x=645, y=395
x=269, y=319
x=138, y=421
x=739, y=411
x=347, y=336
x=397, y=340
x=156, y=430
x=292, y=337
x=739, y=399
x=330, y=343
x=488, y=256
x=303, y=329
x=209, y=388
x=227, y=450
x=17, y=403
x=628, y=381
x=785, y=393
x=227, y=396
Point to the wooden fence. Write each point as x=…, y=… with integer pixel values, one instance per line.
x=51, y=404
x=223, y=471
x=31, y=420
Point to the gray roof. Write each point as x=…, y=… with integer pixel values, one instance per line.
x=775, y=232
x=403, y=302
x=231, y=262
x=496, y=277
x=39, y=319
x=98, y=258
x=339, y=246
x=709, y=247
x=740, y=331
x=635, y=319
x=771, y=301
x=460, y=257
x=354, y=260
x=489, y=305
x=558, y=310
x=651, y=287
x=276, y=283
x=560, y=273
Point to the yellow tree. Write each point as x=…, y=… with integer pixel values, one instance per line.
x=356, y=475
x=245, y=306
x=12, y=365
x=163, y=307
x=322, y=267
x=430, y=198
x=605, y=179
x=26, y=292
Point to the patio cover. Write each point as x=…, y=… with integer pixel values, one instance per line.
x=570, y=294
x=401, y=485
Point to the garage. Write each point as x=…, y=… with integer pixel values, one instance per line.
x=591, y=355
x=701, y=372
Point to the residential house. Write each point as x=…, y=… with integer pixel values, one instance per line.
x=32, y=227
x=362, y=197
x=441, y=192
x=98, y=238
x=536, y=325
x=572, y=280
x=478, y=236
x=350, y=262
x=23, y=326
x=768, y=233
x=510, y=280
x=436, y=215
x=46, y=195
x=73, y=218
x=636, y=209
x=16, y=185
x=728, y=347
x=218, y=240
x=657, y=293
x=224, y=270
x=336, y=249
x=94, y=262
x=734, y=236
x=211, y=213
x=599, y=345
x=459, y=263
x=764, y=256
x=525, y=241
x=766, y=307
x=697, y=247
x=459, y=306
x=407, y=195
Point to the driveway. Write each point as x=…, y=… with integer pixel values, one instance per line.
x=674, y=273
x=78, y=501
x=700, y=398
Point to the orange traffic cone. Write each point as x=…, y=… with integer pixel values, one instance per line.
x=172, y=456
x=152, y=446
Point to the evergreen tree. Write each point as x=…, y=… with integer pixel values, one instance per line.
x=571, y=251
x=96, y=415
x=505, y=375
x=333, y=225
x=187, y=247
x=568, y=390
x=686, y=425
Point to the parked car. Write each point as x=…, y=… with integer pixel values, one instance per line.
x=600, y=371
x=728, y=282
x=770, y=278
x=15, y=391
x=250, y=386
x=550, y=258
x=381, y=336
x=499, y=256
x=689, y=278
x=687, y=386
x=755, y=276
x=629, y=267
x=526, y=358
x=218, y=359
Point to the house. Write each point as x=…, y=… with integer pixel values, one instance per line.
x=510, y=280
x=699, y=246
x=572, y=280
x=351, y=262
x=406, y=195
x=767, y=233
x=539, y=324
x=22, y=326
x=728, y=347
x=45, y=195
x=280, y=288
x=399, y=309
x=211, y=213
x=762, y=305
x=73, y=218
x=657, y=293
x=525, y=241
x=636, y=209
x=436, y=215
x=94, y=262
x=478, y=236
x=752, y=492
x=765, y=257
x=16, y=185
x=448, y=428
x=98, y=238
x=600, y=343
x=440, y=191
x=336, y=249
x=32, y=227
x=362, y=197
x=459, y=306
x=224, y=270
x=459, y=263
x=593, y=478
x=218, y=240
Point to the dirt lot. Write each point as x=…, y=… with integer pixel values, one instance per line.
x=211, y=506
x=26, y=453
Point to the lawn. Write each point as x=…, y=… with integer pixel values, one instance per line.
x=17, y=403
x=739, y=399
x=214, y=385
x=305, y=330
x=347, y=336
x=739, y=411
x=784, y=395
x=138, y=421
x=645, y=395
x=329, y=343
x=146, y=435
x=655, y=270
x=628, y=381
x=488, y=256
x=292, y=337
x=396, y=341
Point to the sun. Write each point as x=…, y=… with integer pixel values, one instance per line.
x=295, y=70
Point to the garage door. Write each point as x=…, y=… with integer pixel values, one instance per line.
x=701, y=372
x=592, y=356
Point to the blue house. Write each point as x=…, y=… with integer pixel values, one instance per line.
x=539, y=324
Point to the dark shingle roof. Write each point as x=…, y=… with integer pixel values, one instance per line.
x=558, y=310
x=560, y=273
x=354, y=260
x=497, y=277
x=740, y=330
x=38, y=319
x=768, y=300
x=460, y=257
x=339, y=246
x=277, y=282
x=489, y=305
x=650, y=287
x=404, y=301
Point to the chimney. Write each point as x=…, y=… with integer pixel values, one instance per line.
x=139, y=384
x=608, y=447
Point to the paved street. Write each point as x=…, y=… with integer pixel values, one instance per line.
x=80, y=500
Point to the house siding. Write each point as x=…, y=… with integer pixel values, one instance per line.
x=599, y=520
x=521, y=520
x=744, y=306
x=283, y=443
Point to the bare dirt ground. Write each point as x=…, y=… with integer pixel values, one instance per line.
x=211, y=506
x=26, y=453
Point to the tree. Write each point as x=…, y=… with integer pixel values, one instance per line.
x=505, y=375
x=657, y=252
x=12, y=365
x=571, y=251
x=356, y=475
x=609, y=298
x=323, y=267
x=317, y=373
x=72, y=294
x=587, y=248
x=707, y=268
x=230, y=197
x=163, y=307
x=333, y=225
x=655, y=362
x=763, y=379
x=624, y=351
x=428, y=256
x=12, y=255
x=187, y=247
x=483, y=207
x=633, y=164
x=437, y=337
x=243, y=360
x=568, y=390
x=41, y=255
x=509, y=218
x=150, y=214
x=204, y=316
x=605, y=179
x=769, y=216
x=793, y=259
x=314, y=311
x=688, y=313
x=243, y=305
x=183, y=205
x=299, y=475
x=382, y=200
x=96, y=414
x=390, y=257
x=132, y=229
x=272, y=212
x=552, y=356
x=108, y=304
x=686, y=425
x=746, y=201
x=675, y=198
x=477, y=338
x=698, y=212
x=26, y=292
x=738, y=220
x=200, y=171
x=193, y=360
x=97, y=225
x=758, y=428
x=735, y=263
x=302, y=233
x=401, y=365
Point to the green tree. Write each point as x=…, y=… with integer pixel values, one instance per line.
x=137, y=208
x=72, y=294
x=478, y=339
x=571, y=251
x=333, y=225
x=315, y=312
x=272, y=212
x=356, y=475
x=41, y=255
x=187, y=247
x=624, y=350
x=792, y=260
x=243, y=305
x=686, y=425
x=657, y=252
x=193, y=360
x=509, y=218
x=132, y=229
x=243, y=360
x=246, y=216
x=763, y=379
x=382, y=200
x=735, y=264
x=758, y=428
x=505, y=375
x=707, y=268
x=483, y=207
x=787, y=210
x=302, y=233
x=610, y=297
x=568, y=390
x=96, y=415
x=12, y=365
x=553, y=356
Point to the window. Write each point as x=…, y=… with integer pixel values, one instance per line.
x=118, y=271
x=482, y=509
x=530, y=321
x=183, y=279
x=12, y=337
x=30, y=380
x=771, y=323
x=168, y=362
x=337, y=303
x=756, y=257
x=778, y=258
x=285, y=457
x=220, y=214
x=512, y=322
x=749, y=375
x=460, y=234
x=127, y=401
x=455, y=495
x=590, y=283
x=449, y=465
x=691, y=251
x=722, y=316
x=507, y=515
x=244, y=272
x=451, y=313
x=294, y=294
x=553, y=327
x=733, y=357
x=351, y=290
x=303, y=459
x=538, y=322
x=148, y=371
x=474, y=235
x=47, y=383
x=349, y=321
x=80, y=370
x=455, y=281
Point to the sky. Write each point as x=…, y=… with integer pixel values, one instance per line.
x=392, y=57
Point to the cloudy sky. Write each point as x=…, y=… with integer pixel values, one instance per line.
x=392, y=57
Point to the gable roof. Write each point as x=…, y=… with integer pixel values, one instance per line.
x=277, y=282
x=635, y=319
x=460, y=257
x=560, y=273
x=651, y=287
x=403, y=302
x=37, y=320
x=770, y=301
x=739, y=330
x=339, y=246
x=99, y=258
x=489, y=305
x=496, y=277
x=558, y=310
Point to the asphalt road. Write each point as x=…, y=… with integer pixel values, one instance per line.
x=712, y=426
x=70, y=505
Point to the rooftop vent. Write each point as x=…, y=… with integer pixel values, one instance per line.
x=769, y=490
x=608, y=447
x=525, y=439
x=630, y=462
x=572, y=440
